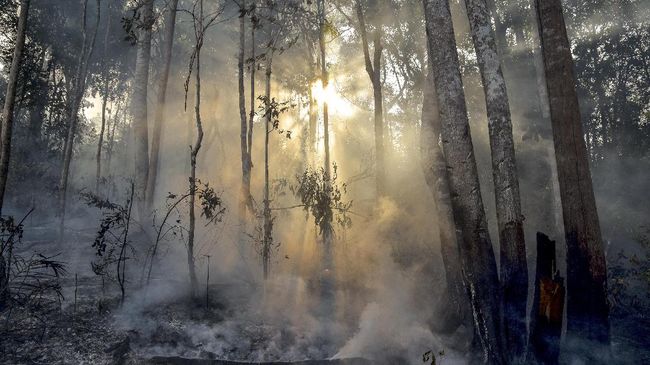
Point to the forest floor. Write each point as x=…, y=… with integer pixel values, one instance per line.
x=161, y=326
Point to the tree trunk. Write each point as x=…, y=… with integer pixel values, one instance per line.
x=100, y=143
x=139, y=105
x=548, y=305
x=77, y=93
x=373, y=68
x=587, y=308
x=435, y=174
x=268, y=223
x=246, y=200
x=193, y=154
x=514, y=271
x=327, y=275
x=476, y=251
x=154, y=162
x=10, y=96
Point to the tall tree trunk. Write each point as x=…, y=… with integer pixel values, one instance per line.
x=251, y=117
x=77, y=92
x=587, y=308
x=139, y=105
x=10, y=96
x=476, y=251
x=100, y=143
x=327, y=279
x=245, y=199
x=6, y=132
x=268, y=222
x=434, y=168
x=373, y=68
x=514, y=271
x=154, y=162
x=194, y=153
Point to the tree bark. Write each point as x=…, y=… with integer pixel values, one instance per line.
x=78, y=90
x=373, y=68
x=139, y=105
x=587, y=308
x=159, y=117
x=476, y=251
x=435, y=174
x=10, y=97
x=513, y=267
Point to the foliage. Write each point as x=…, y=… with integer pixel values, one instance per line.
x=323, y=198
x=272, y=109
x=629, y=277
x=29, y=283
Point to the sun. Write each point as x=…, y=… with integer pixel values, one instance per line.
x=336, y=104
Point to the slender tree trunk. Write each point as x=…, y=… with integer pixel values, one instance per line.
x=154, y=162
x=435, y=173
x=514, y=270
x=476, y=251
x=251, y=117
x=111, y=140
x=268, y=223
x=100, y=143
x=245, y=199
x=327, y=275
x=587, y=308
x=77, y=92
x=193, y=154
x=373, y=68
x=139, y=105
x=10, y=96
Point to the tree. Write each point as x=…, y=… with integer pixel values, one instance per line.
x=587, y=307
x=201, y=23
x=373, y=68
x=476, y=252
x=246, y=200
x=10, y=96
x=154, y=162
x=105, y=68
x=435, y=173
x=514, y=271
x=79, y=88
x=139, y=103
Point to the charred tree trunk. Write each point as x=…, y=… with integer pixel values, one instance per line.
x=10, y=96
x=154, y=162
x=476, y=252
x=514, y=271
x=435, y=174
x=373, y=68
x=139, y=105
x=587, y=308
x=78, y=90
x=548, y=306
